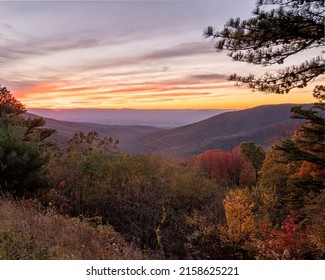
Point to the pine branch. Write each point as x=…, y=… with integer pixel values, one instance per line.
x=284, y=80
x=270, y=37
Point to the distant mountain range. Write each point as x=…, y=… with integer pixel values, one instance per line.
x=158, y=118
x=264, y=125
x=65, y=130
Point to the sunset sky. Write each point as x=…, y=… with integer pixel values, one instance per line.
x=125, y=54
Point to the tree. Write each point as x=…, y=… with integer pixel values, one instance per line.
x=222, y=166
x=239, y=214
x=271, y=36
x=23, y=148
x=240, y=222
x=308, y=145
x=78, y=173
x=273, y=187
x=9, y=105
x=255, y=155
x=204, y=240
x=304, y=154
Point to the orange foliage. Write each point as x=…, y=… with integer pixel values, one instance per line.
x=308, y=169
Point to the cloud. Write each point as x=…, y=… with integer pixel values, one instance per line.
x=79, y=43
x=138, y=62
x=8, y=26
x=208, y=77
x=110, y=52
x=188, y=49
x=19, y=48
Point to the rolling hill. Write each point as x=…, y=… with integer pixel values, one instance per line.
x=263, y=125
x=157, y=118
x=65, y=130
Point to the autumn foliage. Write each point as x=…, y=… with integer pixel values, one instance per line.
x=248, y=203
x=221, y=166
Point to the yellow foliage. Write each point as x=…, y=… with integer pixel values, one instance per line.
x=239, y=215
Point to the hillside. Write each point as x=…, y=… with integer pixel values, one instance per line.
x=65, y=130
x=26, y=233
x=262, y=125
x=153, y=117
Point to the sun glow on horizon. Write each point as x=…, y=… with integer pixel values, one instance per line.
x=181, y=94
x=155, y=58
x=236, y=101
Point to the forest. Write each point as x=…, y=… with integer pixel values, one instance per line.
x=91, y=201
x=248, y=203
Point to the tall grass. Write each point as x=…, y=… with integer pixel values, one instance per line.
x=27, y=233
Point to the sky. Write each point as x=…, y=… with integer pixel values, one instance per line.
x=125, y=54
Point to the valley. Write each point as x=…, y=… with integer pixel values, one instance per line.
x=263, y=125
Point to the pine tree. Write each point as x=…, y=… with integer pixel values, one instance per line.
x=283, y=29
x=23, y=148
x=307, y=148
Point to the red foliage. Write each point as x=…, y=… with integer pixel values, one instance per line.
x=288, y=236
x=220, y=165
x=289, y=242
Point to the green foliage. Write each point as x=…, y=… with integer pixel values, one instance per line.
x=285, y=28
x=308, y=144
x=145, y=197
x=273, y=187
x=78, y=173
x=17, y=246
x=307, y=148
x=292, y=177
x=292, y=188
x=255, y=155
x=203, y=237
x=23, y=148
x=22, y=162
x=10, y=107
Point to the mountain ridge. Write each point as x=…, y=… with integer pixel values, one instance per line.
x=225, y=131
x=158, y=118
x=262, y=124
x=66, y=129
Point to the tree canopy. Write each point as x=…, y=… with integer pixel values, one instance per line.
x=308, y=143
x=10, y=108
x=23, y=148
x=307, y=148
x=284, y=28
x=255, y=154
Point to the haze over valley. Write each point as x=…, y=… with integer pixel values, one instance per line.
x=263, y=125
x=157, y=118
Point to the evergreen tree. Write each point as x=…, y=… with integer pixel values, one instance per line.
x=9, y=104
x=283, y=29
x=23, y=148
x=307, y=148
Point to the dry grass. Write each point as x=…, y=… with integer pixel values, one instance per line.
x=26, y=233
